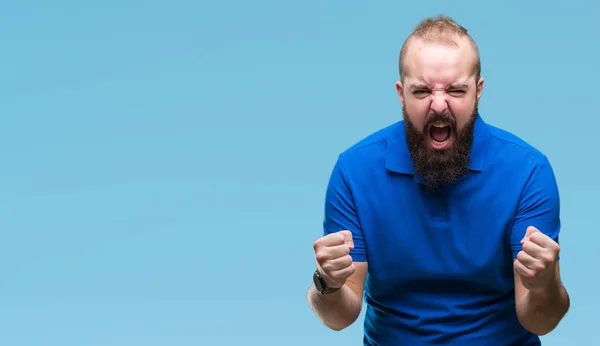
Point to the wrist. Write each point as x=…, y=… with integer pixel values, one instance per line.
x=548, y=292
x=323, y=286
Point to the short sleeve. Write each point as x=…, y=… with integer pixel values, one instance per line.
x=539, y=206
x=341, y=213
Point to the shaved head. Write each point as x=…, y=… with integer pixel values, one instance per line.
x=441, y=30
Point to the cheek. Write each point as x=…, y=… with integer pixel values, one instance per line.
x=461, y=110
x=417, y=111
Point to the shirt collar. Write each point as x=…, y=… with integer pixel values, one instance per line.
x=398, y=157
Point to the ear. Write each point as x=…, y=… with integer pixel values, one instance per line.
x=400, y=91
x=479, y=88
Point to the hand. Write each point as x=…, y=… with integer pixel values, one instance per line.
x=332, y=253
x=536, y=263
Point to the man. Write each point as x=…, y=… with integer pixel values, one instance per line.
x=455, y=222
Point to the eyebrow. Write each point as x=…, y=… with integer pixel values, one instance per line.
x=453, y=86
x=418, y=86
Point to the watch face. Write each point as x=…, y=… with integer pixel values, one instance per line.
x=318, y=282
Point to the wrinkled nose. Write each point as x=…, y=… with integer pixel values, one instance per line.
x=438, y=103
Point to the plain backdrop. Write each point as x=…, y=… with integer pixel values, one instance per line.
x=163, y=163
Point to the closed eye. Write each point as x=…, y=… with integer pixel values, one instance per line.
x=456, y=92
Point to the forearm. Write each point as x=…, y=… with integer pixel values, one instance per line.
x=541, y=313
x=337, y=310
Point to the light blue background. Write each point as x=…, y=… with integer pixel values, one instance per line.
x=163, y=164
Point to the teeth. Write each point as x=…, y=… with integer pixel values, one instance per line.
x=439, y=124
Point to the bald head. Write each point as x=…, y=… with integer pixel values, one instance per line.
x=440, y=30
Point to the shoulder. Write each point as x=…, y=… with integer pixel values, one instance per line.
x=529, y=171
x=372, y=148
x=512, y=151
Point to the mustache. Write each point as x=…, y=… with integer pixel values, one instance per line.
x=446, y=117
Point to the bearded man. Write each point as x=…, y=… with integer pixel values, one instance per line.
x=446, y=226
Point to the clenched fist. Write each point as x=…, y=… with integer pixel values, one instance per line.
x=536, y=263
x=332, y=253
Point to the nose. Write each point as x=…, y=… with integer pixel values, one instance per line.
x=438, y=102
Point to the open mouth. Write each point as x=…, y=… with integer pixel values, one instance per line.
x=440, y=133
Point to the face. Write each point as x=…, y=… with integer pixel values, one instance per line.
x=439, y=98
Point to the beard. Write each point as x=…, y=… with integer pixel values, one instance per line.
x=445, y=167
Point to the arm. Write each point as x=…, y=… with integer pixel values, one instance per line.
x=540, y=297
x=340, y=309
x=541, y=312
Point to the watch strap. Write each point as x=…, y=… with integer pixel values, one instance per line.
x=320, y=284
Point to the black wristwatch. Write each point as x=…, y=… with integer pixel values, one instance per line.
x=321, y=285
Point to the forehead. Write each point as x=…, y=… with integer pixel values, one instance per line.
x=439, y=63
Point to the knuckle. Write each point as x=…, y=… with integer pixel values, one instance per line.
x=317, y=244
x=529, y=274
x=346, y=232
x=321, y=257
x=348, y=260
x=519, y=271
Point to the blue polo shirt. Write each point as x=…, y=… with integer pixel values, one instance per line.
x=441, y=264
